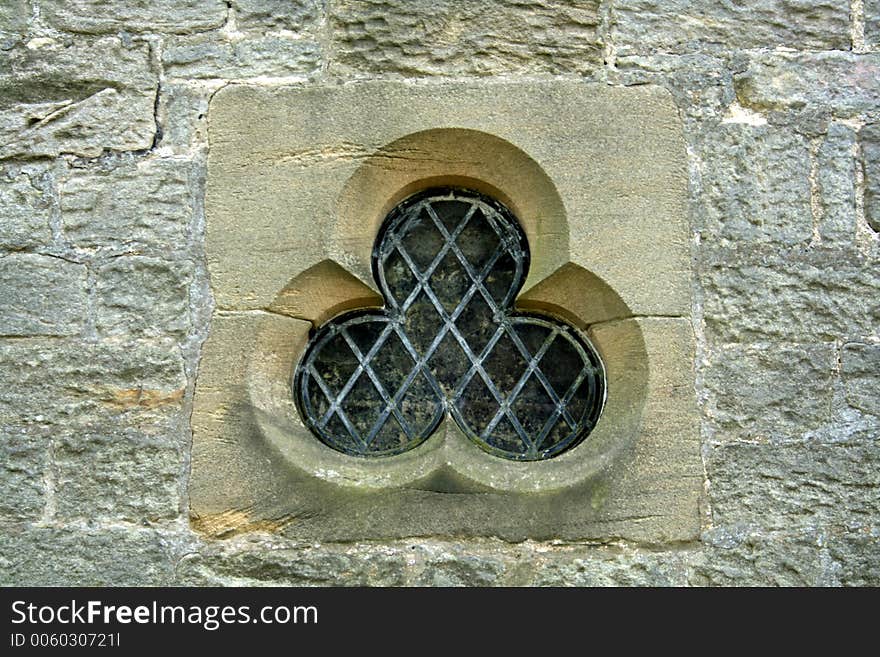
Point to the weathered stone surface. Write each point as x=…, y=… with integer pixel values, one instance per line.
x=869, y=141
x=137, y=295
x=818, y=295
x=293, y=15
x=71, y=382
x=119, y=556
x=23, y=453
x=456, y=37
x=857, y=556
x=676, y=26
x=458, y=568
x=14, y=17
x=840, y=82
x=94, y=17
x=262, y=560
x=836, y=185
x=134, y=205
x=783, y=486
x=109, y=473
x=755, y=186
x=860, y=370
x=751, y=387
x=81, y=98
x=609, y=567
x=872, y=22
x=702, y=85
x=206, y=57
x=43, y=295
x=25, y=209
x=740, y=557
x=183, y=115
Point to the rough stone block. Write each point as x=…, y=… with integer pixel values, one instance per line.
x=23, y=453
x=206, y=57
x=14, y=17
x=458, y=568
x=701, y=84
x=53, y=556
x=25, y=209
x=457, y=37
x=740, y=557
x=860, y=371
x=136, y=205
x=183, y=115
x=781, y=486
x=66, y=383
x=137, y=295
x=94, y=17
x=872, y=23
x=292, y=15
x=751, y=387
x=677, y=26
x=857, y=555
x=118, y=474
x=836, y=177
x=840, y=82
x=81, y=98
x=42, y=295
x=755, y=186
x=259, y=560
x=869, y=141
x=818, y=295
x=604, y=567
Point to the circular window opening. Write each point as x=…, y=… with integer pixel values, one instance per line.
x=449, y=264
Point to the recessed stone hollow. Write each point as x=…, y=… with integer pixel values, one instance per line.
x=293, y=216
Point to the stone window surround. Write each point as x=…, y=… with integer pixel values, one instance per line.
x=596, y=176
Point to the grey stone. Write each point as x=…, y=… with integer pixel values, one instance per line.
x=14, y=18
x=458, y=568
x=860, y=370
x=858, y=557
x=783, y=486
x=818, y=295
x=81, y=98
x=43, y=295
x=94, y=17
x=263, y=560
x=457, y=37
x=755, y=184
x=25, y=210
x=751, y=387
x=869, y=141
x=293, y=15
x=205, y=57
x=609, y=567
x=72, y=383
x=138, y=295
x=801, y=82
x=183, y=115
x=702, y=85
x=118, y=474
x=836, y=185
x=748, y=558
x=872, y=23
x=23, y=452
x=676, y=26
x=135, y=206
x=60, y=556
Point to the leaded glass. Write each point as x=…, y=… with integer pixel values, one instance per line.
x=449, y=263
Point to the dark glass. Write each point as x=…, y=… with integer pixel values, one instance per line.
x=449, y=263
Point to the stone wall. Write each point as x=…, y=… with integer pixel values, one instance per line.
x=105, y=297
